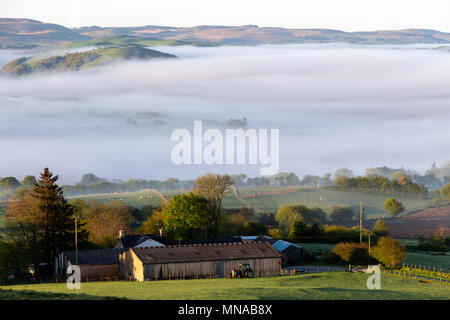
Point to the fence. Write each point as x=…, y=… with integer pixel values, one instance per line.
x=426, y=273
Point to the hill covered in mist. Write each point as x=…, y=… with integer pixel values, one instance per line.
x=79, y=60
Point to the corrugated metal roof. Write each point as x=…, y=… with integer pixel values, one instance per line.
x=95, y=257
x=282, y=245
x=131, y=241
x=206, y=252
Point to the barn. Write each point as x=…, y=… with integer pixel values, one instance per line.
x=292, y=253
x=94, y=264
x=214, y=260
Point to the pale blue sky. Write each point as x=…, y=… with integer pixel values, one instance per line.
x=347, y=15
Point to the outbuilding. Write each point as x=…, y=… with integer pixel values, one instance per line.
x=94, y=265
x=198, y=261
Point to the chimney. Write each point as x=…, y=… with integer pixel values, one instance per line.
x=121, y=234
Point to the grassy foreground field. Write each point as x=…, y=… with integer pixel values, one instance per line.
x=323, y=286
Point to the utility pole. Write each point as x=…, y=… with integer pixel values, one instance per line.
x=361, y=210
x=76, y=240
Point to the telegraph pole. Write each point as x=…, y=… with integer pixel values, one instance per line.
x=76, y=240
x=361, y=210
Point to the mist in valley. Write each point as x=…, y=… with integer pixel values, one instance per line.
x=336, y=106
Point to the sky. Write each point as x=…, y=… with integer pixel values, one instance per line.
x=346, y=15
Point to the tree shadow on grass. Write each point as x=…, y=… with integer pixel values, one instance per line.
x=35, y=295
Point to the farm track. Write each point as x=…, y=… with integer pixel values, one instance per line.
x=243, y=201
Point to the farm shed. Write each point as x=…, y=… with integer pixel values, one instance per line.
x=198, y=261
x=150, y=240
x=256, y=238
x=291, y=252
x=94, y=264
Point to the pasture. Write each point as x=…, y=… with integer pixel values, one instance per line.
x=323, y=198
x=322, y=286
x=429, y=260
x=424, y=259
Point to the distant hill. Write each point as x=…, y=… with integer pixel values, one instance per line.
x=443, y=48
x=27, y=33
x=253, y=35
x=79, y=60
x=126, y=40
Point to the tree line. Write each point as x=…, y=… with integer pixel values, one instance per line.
x=380, y=179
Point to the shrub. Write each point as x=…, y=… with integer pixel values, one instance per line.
x=380, y=228
x=393, y=207
x=388, y=251
x=275, y=233
x=341, y=213
x=352, y=252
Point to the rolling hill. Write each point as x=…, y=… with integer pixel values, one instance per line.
x=79, y=60
x=253, y=35
x=27, y=33
x=22, y=33
x=126, y=40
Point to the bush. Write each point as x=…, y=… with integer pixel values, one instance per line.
x=445, y=192
x=352, y=252
x=388, y=251
x=380, y=229
x=288, y=215
x=275, y=233
x=393, y=207
x=435, y=243
x=341, y=213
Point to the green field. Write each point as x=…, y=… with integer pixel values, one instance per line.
x=126, y=40
x=307, y=196
x=423, y=259
x=323, y=286
x=429, y=260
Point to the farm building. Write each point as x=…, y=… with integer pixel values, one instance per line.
x=94, y=264
x=198, y=261
x=292, y=252
x=256, y=238
x=150, y=240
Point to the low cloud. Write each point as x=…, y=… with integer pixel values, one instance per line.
x=335, y=105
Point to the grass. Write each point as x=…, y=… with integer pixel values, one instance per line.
x=423, y=259
x=124, y=40
x=323, y=286
x=432, y=260
x=307, y=196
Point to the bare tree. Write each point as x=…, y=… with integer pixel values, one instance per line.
x=213, y=187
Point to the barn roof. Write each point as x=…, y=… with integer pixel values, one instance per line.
x=282, y=245
x=133, y=240
x=206, y=252
x=95, y=257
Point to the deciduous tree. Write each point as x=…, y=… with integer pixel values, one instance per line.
x=212, y=187
x=388, y=251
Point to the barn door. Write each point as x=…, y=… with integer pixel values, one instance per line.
x=220, y=268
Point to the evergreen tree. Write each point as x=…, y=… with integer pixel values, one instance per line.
x=46, y=212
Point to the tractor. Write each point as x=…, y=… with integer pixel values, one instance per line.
x=244, y=271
